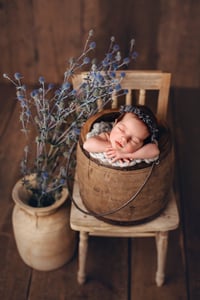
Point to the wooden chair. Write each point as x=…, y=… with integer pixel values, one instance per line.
x=142, y=82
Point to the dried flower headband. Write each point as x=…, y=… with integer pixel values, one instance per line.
x=145, y=117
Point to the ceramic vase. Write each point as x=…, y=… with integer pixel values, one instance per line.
x=43, y=236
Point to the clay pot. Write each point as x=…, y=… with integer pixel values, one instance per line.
x=43, y=236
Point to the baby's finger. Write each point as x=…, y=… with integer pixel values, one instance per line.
x=110, y=154
x=127, y=160
x=114, y=159
x=109, y=149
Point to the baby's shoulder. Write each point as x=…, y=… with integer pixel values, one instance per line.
x=105, y=135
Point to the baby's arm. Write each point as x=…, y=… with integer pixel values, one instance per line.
x=146, y=152
x=98, y=143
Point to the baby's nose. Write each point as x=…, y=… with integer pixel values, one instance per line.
x=123, y=140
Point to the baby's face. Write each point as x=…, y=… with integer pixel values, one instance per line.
x=128, y=135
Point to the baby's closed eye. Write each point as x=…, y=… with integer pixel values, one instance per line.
x=134, y=140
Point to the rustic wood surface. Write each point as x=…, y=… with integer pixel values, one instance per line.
x=37, y=38
x=109, y=259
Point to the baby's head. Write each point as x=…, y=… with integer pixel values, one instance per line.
x=144, y=114
x=135, y=126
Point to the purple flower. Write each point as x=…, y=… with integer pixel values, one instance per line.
x=45, y=175
x=126, y=60
x=18, y=76
x=50, y=86
x=92, y=45
x=109, y=56
x=20, y=97
x=66, y=86
x=28, y=113
x=74, y=92
x=86, y=60
x=110, y=91
x=118, y=87
x=115, y=66
x=77, y=131
x=105, y=63
x=134, y=55
x=112, y=74
x=99, y=77
x=116, y=47
x=57, y=92
x=62, y=181
x=41, y=80
x=34, y=93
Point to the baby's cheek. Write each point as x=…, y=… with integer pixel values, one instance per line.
x=131, y=148
x=112, y=141
x=112, y=144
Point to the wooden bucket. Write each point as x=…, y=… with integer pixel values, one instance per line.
x=124, y=195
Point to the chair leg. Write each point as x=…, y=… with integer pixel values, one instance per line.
x=161, y=243
x=83, y=246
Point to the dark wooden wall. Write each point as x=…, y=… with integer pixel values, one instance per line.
x=38, y=37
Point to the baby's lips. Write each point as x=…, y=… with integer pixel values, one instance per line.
x=118, y=144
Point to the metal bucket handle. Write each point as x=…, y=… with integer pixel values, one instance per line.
x=115, y=209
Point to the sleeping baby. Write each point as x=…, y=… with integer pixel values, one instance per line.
x=132, y=138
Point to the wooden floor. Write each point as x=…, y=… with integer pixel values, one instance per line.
x=118, y=269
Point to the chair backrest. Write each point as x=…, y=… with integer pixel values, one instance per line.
x=142, y=82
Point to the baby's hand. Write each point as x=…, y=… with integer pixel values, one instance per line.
x=116, y=155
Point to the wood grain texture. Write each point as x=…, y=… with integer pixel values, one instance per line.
x=186, y=123
x=38, y=37
x=142, y=258
x=167, y=38
x=104, y=254
x=109, y=260
x=179, y=41
x=15, y=275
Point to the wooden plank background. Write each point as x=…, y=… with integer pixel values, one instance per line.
x=37, y=38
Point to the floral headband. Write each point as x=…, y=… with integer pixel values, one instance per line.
x=144, y=114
